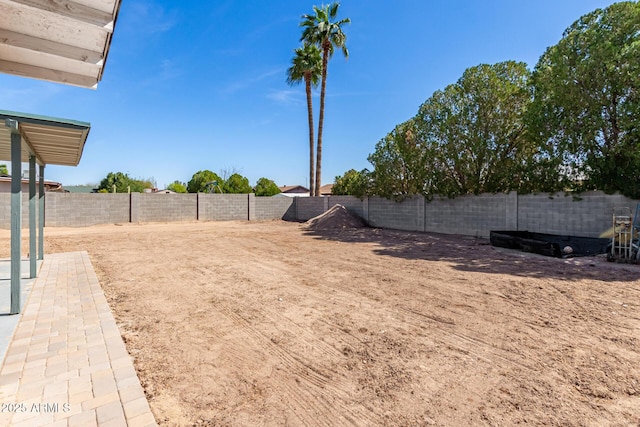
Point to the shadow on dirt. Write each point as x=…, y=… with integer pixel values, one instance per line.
x=471, y=254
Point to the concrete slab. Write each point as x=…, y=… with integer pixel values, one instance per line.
x=8, y=322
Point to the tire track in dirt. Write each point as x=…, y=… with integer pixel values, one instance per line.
x=318, y=392
x=465, y=342
x=470, y=344
x=515, y=308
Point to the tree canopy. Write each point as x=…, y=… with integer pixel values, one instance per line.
x=469, y=138
x=401, y=164
x=177, y=187
x=266, y=187
x=202, y=182
x=237, y=184
x=572, y=124
x=123, y=183
x=587, y=100
x=352, y=183
x=474, y=130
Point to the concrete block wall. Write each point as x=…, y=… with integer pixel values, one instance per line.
x=309, y=207
x=223, y=207
x=408, y=215
x=5, y=210
x=251, y=207
x=275, y=208
x=147, y=207
x=353, y=204
x=587, y=214
x=472, y=216
x=80, y=210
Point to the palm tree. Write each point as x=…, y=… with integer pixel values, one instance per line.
x=307, y=66
x=321, y=29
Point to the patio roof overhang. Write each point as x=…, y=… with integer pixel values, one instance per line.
x=53, y=141
x=37, y=140
x=57, y=40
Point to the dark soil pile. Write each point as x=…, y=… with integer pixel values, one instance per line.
x=336, y=218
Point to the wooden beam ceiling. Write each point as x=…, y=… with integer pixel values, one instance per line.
x=57, y=40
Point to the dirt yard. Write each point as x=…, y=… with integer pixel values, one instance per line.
x=270, y=323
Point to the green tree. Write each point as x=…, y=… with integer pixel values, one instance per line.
x=352, y=183
x=202, y=182
x=237, y=184
x=266, y=187
x=469, y=138
x=306, y=66
x=587, y=100
x=322, y=29
x=401, y=164
x=473, y=132
x=4, y=170
x=177, y=187
x=123, y=183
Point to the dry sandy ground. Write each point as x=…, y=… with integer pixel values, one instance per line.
x=268, y=323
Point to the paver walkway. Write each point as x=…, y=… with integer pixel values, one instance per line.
x=67, y=364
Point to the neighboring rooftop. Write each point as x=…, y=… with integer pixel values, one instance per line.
x=325, y=190
x=293, y=189
x=81, y=188
x=5, y=183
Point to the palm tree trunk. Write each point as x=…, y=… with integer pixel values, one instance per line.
x=325, y=60
x=307, y=81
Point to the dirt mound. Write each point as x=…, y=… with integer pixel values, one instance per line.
x=336, y=218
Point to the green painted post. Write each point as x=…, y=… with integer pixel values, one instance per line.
x=32, y=218
x=16, y=213
x=41, y=214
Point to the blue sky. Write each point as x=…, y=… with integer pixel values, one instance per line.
x=194, y=85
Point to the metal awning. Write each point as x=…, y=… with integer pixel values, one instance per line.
x=34, y=139
x=57, y=40
x=51, y=140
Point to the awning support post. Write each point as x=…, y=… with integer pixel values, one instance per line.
x=16, y=213
x=41, y=214
x=33, y=261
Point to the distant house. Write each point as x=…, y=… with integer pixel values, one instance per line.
x=49, y=186
x=82, y=188
x=300, y=191
x=294, y=191
x=325, y=190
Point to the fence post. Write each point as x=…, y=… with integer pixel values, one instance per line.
x=251, y=207
x=16, y=215
x=420, y=208
x=511, y=210
x=365, y=209
x=134, y=207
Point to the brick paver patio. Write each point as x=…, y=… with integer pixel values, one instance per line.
x=67, y=364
